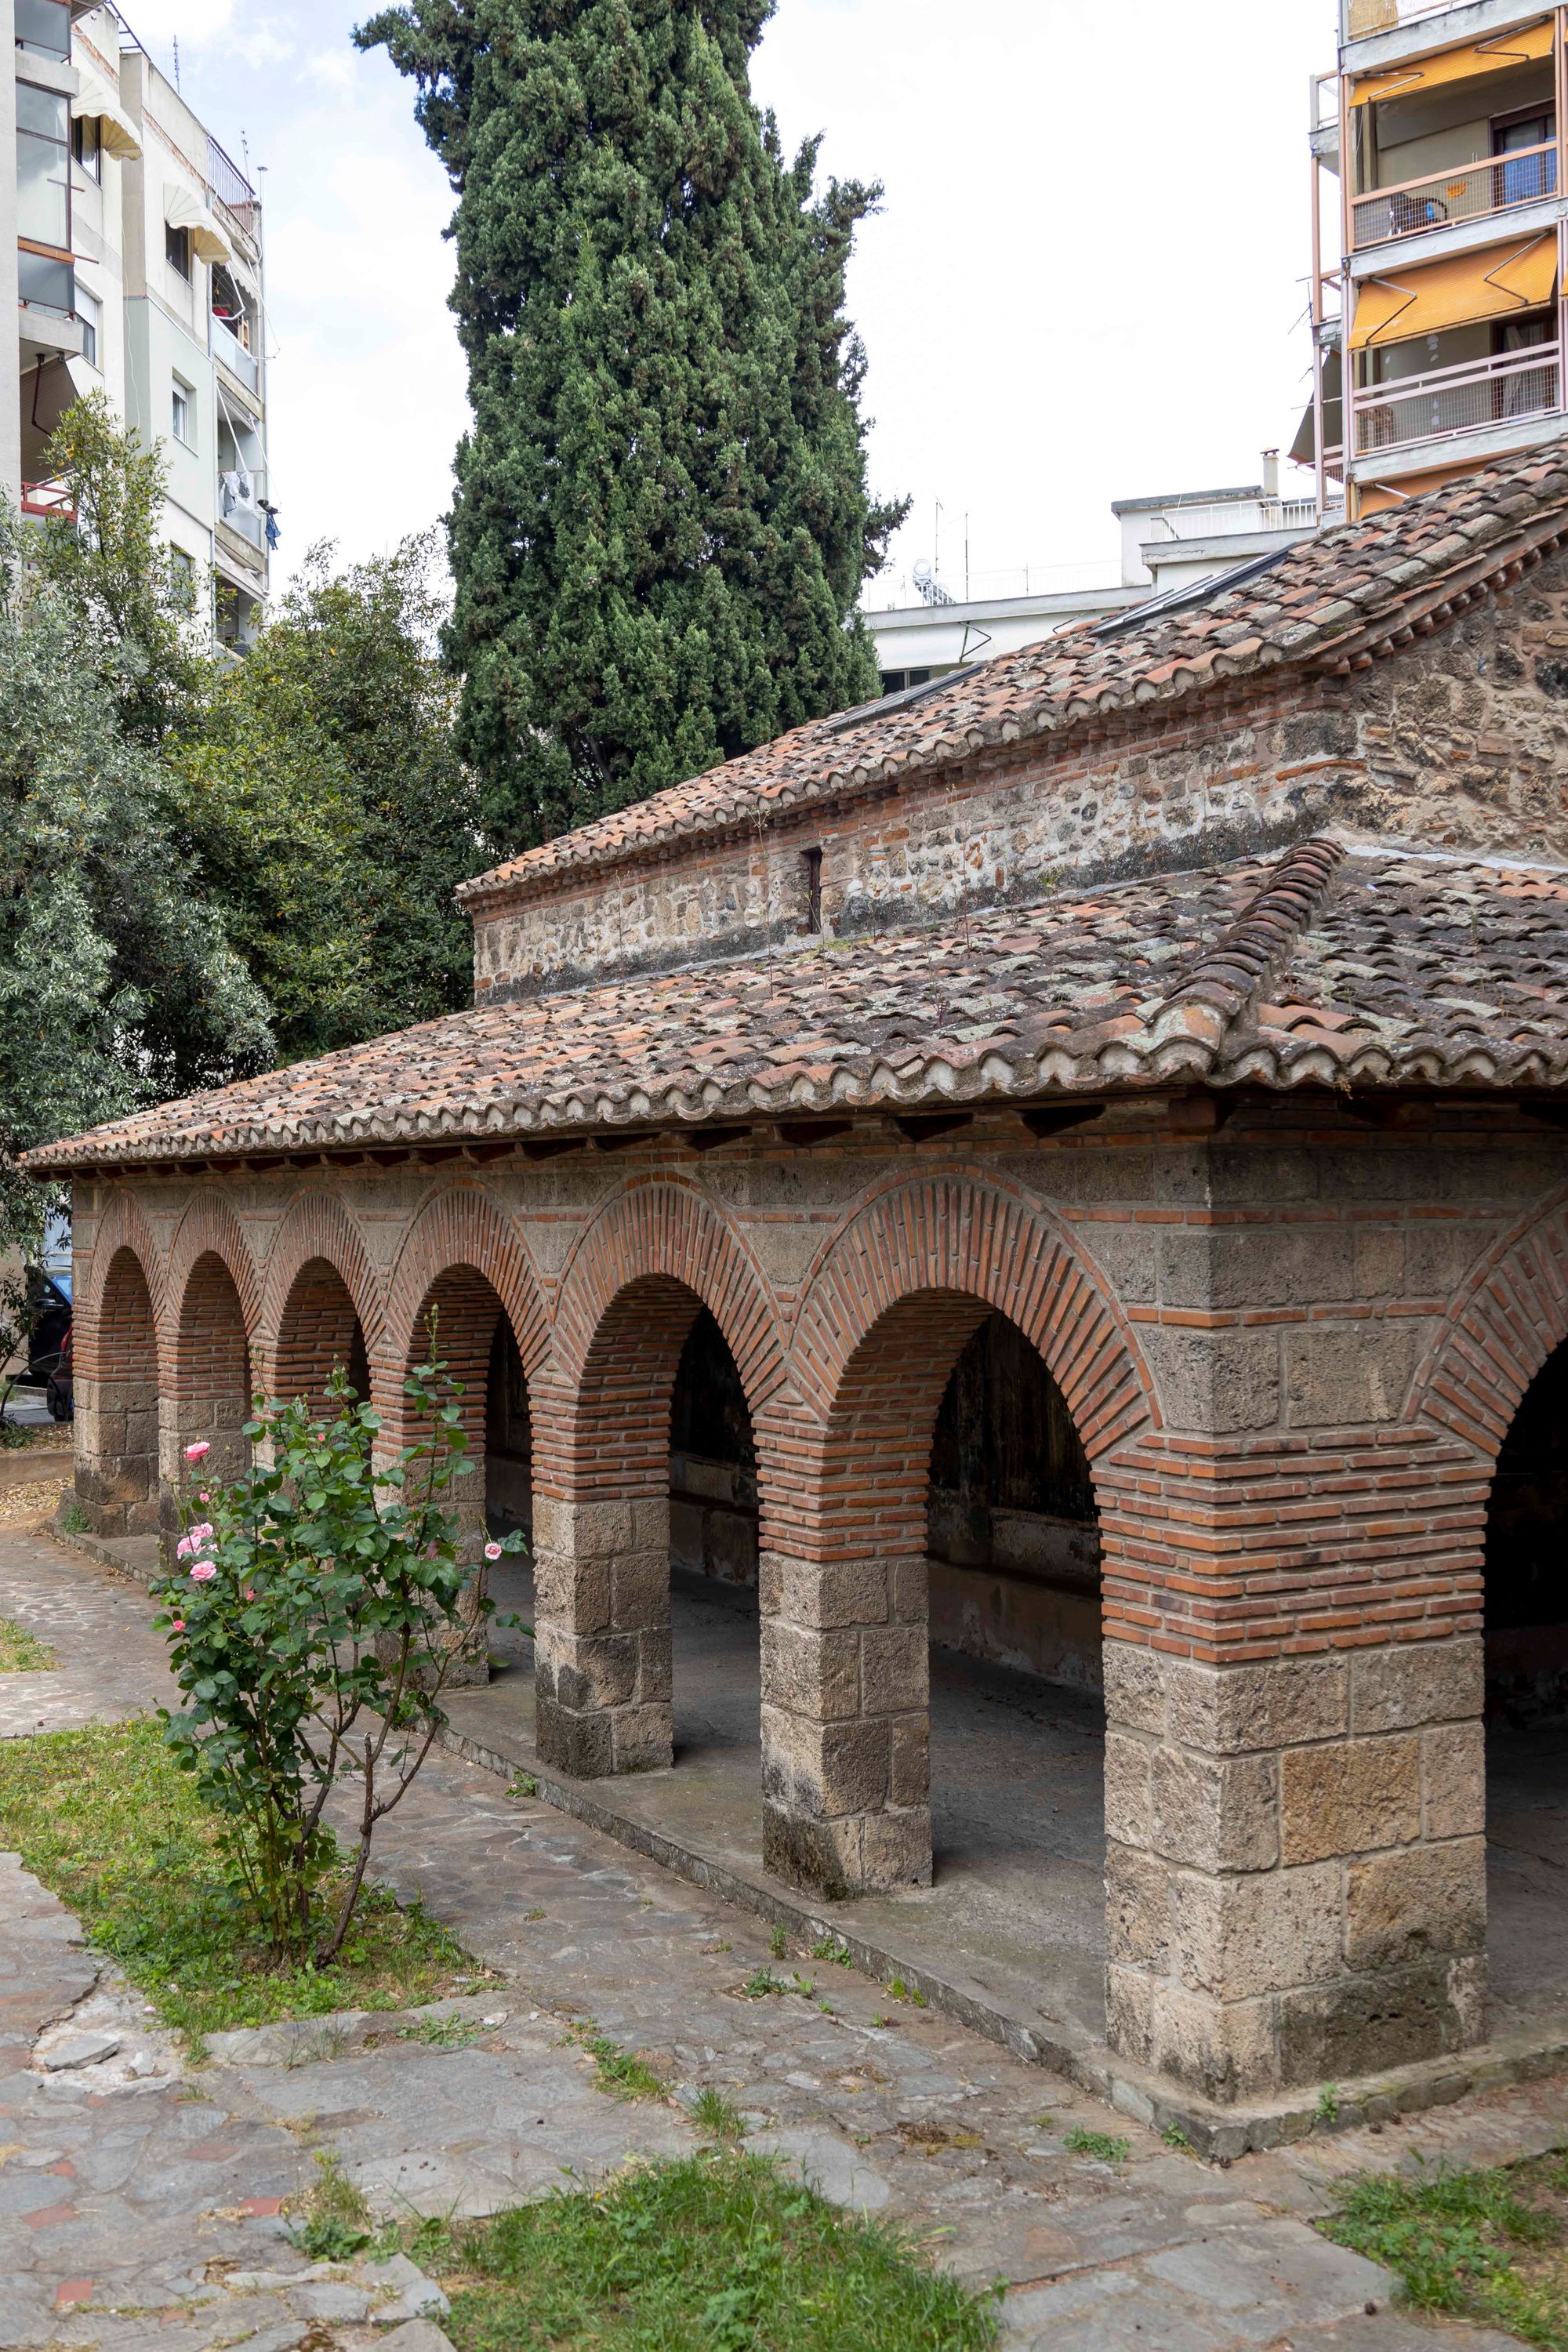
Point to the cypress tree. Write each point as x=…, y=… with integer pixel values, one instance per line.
x=662, y=523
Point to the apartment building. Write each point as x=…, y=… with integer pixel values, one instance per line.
x=1168, y=543
x=137, y=248
x=1439, y=223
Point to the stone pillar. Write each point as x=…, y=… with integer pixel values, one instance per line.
x=116, y=1431
x=603, y=1673
x=1295, y=1863
x=845, y=1717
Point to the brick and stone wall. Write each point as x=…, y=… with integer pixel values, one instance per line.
x=1460, y=741
x=1291, y=1349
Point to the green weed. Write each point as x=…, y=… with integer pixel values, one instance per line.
x=712, y=2113
x=1103, y=2144
x=831, y=1947
x=337, y=2223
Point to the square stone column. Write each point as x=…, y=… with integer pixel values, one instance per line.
x=1295, y=1862
x=602, y=1635
x=846, y=1723
x=117, y=1448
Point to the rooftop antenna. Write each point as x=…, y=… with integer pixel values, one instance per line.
x=176, y=61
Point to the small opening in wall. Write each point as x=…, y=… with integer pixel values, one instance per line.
x=812, y=861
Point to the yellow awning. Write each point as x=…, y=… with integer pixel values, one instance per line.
x=1489, y=284
x=183, y=210
x=1497, y=54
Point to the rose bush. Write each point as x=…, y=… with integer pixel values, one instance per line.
x=316, y=1606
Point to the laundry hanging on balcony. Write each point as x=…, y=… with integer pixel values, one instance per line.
x=1499, y=53
x=183, y=210
x=1495, y=283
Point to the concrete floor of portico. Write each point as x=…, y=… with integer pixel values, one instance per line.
x=1016, y=1907
x=1010, y=1937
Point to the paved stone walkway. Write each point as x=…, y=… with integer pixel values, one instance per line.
x=888, y=2109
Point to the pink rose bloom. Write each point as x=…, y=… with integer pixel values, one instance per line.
x=492, y=1551
x=177, y=1624
x=204, y=1572
x=250, y=1593
x=183, y=1548
x=194, y=1453
x=200, y=1536
x=202, y=1495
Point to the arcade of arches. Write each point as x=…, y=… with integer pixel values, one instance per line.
x=931, y=1501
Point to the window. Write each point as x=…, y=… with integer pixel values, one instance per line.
x=185, y=430
x=44, y=25
x=894, y=681
x=43, y=166
x=177, y=249
x=90, y=310
x=812, y=861
x=85, y=146
x=183, y=568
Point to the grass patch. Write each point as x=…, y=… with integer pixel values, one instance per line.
x=20, y=1654
x=712, y=2113
x=1103, y=2144
x=1483, y=2244
x=713, y=2253
x=109, y=1823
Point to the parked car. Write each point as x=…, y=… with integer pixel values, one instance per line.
x=48, y=1339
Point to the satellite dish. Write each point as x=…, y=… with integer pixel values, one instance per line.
x=923, y=575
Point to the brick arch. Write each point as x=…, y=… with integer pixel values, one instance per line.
x=1498, y=1334
x=209, y=1228
x=210, y=1380
x=121, y=1226
x=904, y=1284
x=320, y=1283
x=653, y=1256
x=464, y=1258
x=316, y=1240
x=115, y=1351
x=463, y=1227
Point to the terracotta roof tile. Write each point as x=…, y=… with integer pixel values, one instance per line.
x=1341, y=581
x=1317, y=967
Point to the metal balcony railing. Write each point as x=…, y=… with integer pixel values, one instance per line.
x=1234, y=516
x=1458, y=399
x=1497, y=186
x=1361, y=18
x=50, y=502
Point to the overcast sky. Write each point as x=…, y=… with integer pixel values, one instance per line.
x=1086, y=281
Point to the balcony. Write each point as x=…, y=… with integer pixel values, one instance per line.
x=1453, y=400
x=1359, y=19
x=49, y=501
x=1498, y=185
x=246, y=523
x=226, y=346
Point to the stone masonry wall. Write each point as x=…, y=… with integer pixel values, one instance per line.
x=1274, y=1346
x=1460, y=742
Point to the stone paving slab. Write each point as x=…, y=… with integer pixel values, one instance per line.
x=887, y=2108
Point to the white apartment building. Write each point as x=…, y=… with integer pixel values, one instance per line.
x=1168, y=543
x=136, y=243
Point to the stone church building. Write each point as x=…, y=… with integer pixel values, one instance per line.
x=1068, y=1166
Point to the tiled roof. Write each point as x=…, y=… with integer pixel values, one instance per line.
x=1317, y=966
x=1336, y=600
